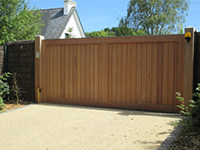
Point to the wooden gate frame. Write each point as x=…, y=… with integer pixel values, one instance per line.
x=38, y=49
x=188, y=66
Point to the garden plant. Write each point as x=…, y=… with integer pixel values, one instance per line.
x=4, y=88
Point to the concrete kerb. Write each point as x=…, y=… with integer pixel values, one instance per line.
x=170, y=139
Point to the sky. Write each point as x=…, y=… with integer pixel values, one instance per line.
x=96, y=15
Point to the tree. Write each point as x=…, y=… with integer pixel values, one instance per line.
x=18, y=21
x=115, y=31
x=120, y=31
x=125, y=31
x=100, y=34
x=155, y=16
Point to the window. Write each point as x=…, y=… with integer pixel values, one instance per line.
x=67, y=35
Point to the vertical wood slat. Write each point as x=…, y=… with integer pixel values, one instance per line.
x=74, y=51
x=52, y=71
x=104, y=73
x=176, y=71
x=96, y=86
x=67, y=71
x=44, y=63
x=62, y=67
x=165, y=74
x=127, y=74
x=100, y=74
x=59, y=51
x=87, y=69
x=119, y=72
x=154, y=73
x=171, y=74
x=134, y=87
x=149, y=73
x=138, y=85
x=47, y=90
x=55, y=68
x=91, y=59
x=114, y=73
x=71, y=80
x=160, y=73
x=110, y=59
x=124, y=71
x=181, y=69
x=144, y=73
x=79, y=72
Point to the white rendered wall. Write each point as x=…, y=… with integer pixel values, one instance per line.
x=76, y=28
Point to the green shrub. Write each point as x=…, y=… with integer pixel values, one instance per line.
x=190, y=112
x=186, y=120
x=1, y=103
x=15, y=89
x=196, y=108
x=4, y=88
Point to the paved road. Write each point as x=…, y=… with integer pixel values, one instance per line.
x=57, y=127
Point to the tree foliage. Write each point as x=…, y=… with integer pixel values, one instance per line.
x=115, y=31
x=18, y=21
x=125, y=31
x=101, y=33
x=4, y=88
x=155, y=16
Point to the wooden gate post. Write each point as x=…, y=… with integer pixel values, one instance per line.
x=38, y=49
x=188, y=64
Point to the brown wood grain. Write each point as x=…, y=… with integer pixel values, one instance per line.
x=143, y=77
x=130, y=72
x=154, y=73
x=165, y=74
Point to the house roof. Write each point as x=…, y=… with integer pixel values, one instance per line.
x=55, y=22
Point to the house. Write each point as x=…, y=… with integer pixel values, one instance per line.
x=61, y=23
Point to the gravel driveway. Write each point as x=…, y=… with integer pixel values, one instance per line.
x=61, y=127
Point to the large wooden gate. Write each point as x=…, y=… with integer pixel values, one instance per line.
x=141, y=72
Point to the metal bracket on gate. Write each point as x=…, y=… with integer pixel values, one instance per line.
x=39, y=90
x=37, y=55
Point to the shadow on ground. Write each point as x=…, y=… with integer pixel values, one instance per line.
x=123, y=112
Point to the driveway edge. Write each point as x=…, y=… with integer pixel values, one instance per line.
x=16, y=109
x=168, y=142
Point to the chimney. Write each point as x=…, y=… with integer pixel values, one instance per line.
x=68, y=4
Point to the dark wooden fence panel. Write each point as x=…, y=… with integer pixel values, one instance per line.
x=20, y=59
x=196, y=61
